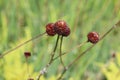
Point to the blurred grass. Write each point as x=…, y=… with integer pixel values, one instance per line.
x=23, y=19
x=111, y=68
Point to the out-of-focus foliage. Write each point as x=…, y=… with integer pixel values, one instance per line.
x=21, y=20
x=15, y=64
x=111, y=69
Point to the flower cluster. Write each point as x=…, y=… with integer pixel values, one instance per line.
x=60, y=27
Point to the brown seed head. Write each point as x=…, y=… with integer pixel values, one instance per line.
x=113, y=55
x=27, y=54
x=66, y=32
x=93, y=37
x=50, y=29
x=61, y=28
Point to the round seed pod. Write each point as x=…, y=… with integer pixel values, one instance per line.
x=61, y=28
x=50, y=29
x=93, y=37
x=27, y=54
x=66, y=32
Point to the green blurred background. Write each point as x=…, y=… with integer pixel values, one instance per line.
x=21, y=20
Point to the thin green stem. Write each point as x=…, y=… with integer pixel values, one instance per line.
x=88, y=49
x=61, y=52
x=78, y=46
x=65, y=69
x=76, y=59
x=53, y=53
x=27, y=68
x=51, y=60
x=11, y=50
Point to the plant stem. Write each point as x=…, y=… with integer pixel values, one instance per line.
x=61, y=52
x=76, y=59
x=53, y=53
x=65, y=69
x=78, y=46
x=11, y=50
x=88, y=49
x=27, y=68
x=51, y=60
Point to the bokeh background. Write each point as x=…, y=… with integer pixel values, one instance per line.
x=21, y=20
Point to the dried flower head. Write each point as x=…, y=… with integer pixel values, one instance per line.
x=93, y=37
x=66, y=32
x=27, y=54
x=50, y=29
x=61, y=28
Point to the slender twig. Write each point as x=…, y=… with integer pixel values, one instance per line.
x=88, y=49
x=27, y=68
x=11, y=50
x=53, y=53
x=78, y=46
x=65, y=69
x=60, y=54
x=44, y=70
x=76, y=59
x=51, y=60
